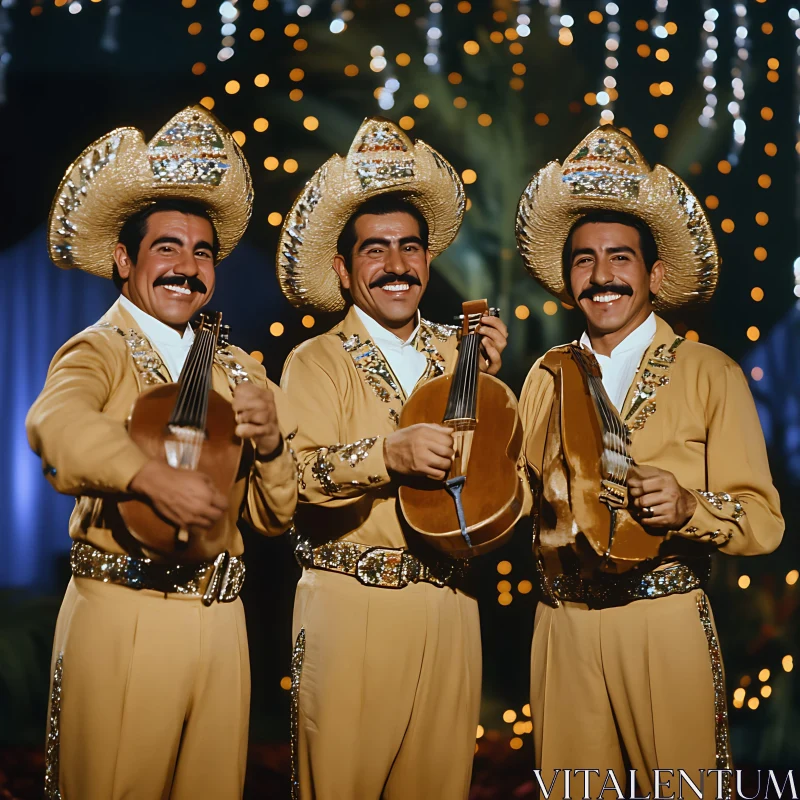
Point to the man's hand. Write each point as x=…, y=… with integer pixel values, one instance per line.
x=256, y=417
x=422, y=450
x=660, y=499
x=494, y=338
x=186, y=498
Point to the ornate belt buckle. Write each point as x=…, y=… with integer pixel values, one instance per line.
x=218, y=580
x=381, y=567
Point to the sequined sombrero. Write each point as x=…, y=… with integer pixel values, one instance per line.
x=381, y=159
x=193, y=157
x=607, y=171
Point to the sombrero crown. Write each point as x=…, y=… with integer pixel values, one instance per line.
x=381, y=159
x=193, y=157
x=607, y=171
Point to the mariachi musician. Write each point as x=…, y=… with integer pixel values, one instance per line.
x=625, y=664
x=150, y=686
x=386, y=670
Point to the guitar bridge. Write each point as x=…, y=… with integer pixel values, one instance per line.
x=613, y=494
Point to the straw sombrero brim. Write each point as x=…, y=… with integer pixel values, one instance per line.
x=551, y=204
x=308, y=241
x=193, y=157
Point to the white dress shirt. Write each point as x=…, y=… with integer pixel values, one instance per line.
x=619, y=369
x=407, y=363
x=171, y=346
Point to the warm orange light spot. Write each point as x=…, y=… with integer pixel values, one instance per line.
x=290, y=165
x=766, y=27
x=286, y=683
x=517, y=84
x=525, y=587
x=469, y=176
x=767, y=113
x=672, y=28
x=662, y=54
x=421, y=101
x=261, y=80
x=351, y=70
x=195, y=28
x=590, y=98
x=666, y=88
x=565, y=37
x=276, y=329
x=643, y=50
x=509, y=715
x=484, y=120
x=753, y=703
x=728, y=225
x=257, y=34
x=500, y=16
x=791, y=579
x=260, y=124
x=207, y=102
x=469, y=204
x=772, y=76
x=454, y=78
x=260, y=5
x=762, y=218
x=655, y=89
x=406, y=123
x=275, y=219
x=300, y=45
x=757, y=293
x=773, y=63
x=504, y=599
x=496, y=37
x=693, y=336
x=661, y=131
x=460, y=102
x=712, y=202
x=402, y=9
x=753, y=333
x=296, y=95
x=199, y=68
x=504, y=586
x=642, y=25
x=522, y=312
x=550, y=308
x=37, y=11
x=239, y=138
x=744, y=581
x=296, y=75
x=472, y=48
x=402, y=59
x=515, y=48
x=232, y=87
x=271, y=163
x=516, y=743
x=308, y=321
x=771, y=149
x=464, y=7
x=724, y=166
x=595, y=17
x=504, y=567
x=188, y=3
x=511, y=34
x=541, y=119
x=764, y=181
x=311, y=123
x=292, y=29
x=760, y=253
x=519, y=68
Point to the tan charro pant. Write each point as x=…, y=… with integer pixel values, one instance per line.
x=389, y=690
x=154, y=696
x=635, y=687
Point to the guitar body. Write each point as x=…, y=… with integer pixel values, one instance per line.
x=492, y=494
x=628, y=543
x=220, y=455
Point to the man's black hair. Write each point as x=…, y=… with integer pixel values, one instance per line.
x=389, y=203
x=135, y=228
x=647, y=244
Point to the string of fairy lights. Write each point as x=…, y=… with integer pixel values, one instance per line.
x=729, y=98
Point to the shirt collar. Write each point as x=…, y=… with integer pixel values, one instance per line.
x=381, y=335
x=638, y=339
x=154, y=329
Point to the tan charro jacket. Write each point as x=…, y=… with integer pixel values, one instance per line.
x=347, y=401
x=690, y=412
x=77, y=427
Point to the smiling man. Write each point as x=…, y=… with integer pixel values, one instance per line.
x=151, y=680
x=386, y=669
x=626, y=670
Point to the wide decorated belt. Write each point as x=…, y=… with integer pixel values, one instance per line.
x=609, y=591
x=384, y=567
x=219, y=580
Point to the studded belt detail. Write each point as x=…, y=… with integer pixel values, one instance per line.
x=384, y=567
x=219, y=580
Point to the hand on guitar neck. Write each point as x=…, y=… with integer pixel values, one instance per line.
x=186, y=498
x=494, y=338
x=661, y=502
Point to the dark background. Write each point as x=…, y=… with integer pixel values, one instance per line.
x=71, y=77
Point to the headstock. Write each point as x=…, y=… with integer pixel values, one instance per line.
x=472, y=311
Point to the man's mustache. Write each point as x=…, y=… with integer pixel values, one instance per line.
x=194, y=283
x=382, y=280
x=609, y=288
